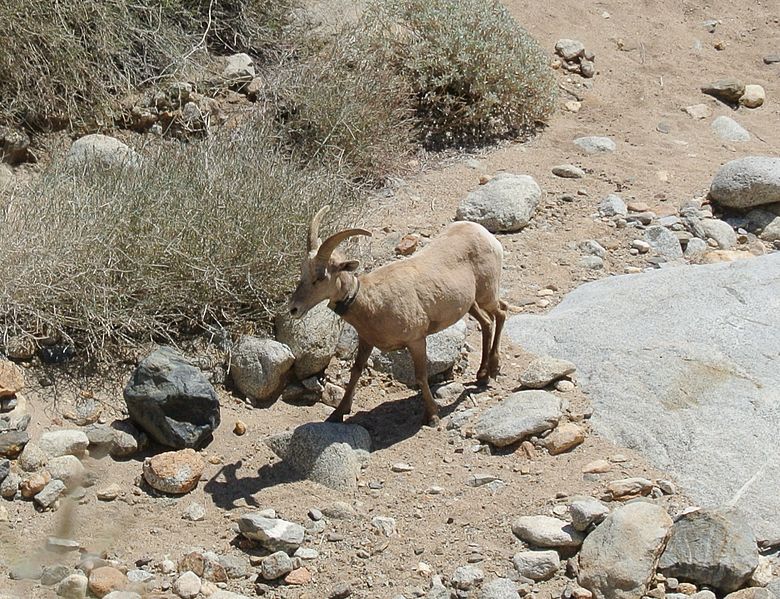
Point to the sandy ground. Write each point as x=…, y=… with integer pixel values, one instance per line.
x=671, y=55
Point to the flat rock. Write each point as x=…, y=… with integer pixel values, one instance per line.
x=312, y=339
x=545, y=370
x=663, y=242
x=747, y=182
x=613, y=205
x=595, y=144
x=728, y=129
x=564, y=438
x=537, y=565
x=443, y=350
x=174, y=472
x=546, y=531
x=698, y=111
x=500, y=588
x=629, y=487
x=716, y=548
x=585, y=511
x=725, y=90
x=503, y=205
x=328, y=453
x=617, y=560
x=273, y=533
x=568, y=171
x=661, y=372
x=46, y=497
x=259, y=367
x=519, y=416
x=172, y=400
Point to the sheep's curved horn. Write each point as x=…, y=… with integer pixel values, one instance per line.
x=314, y=228
x=327, y=247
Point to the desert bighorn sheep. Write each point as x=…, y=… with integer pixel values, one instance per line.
x=399, y=304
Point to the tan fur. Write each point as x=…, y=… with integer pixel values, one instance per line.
x=400, y=303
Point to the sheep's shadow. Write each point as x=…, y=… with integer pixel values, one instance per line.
x=388, y=423
x=394, y=421
x=226, y=487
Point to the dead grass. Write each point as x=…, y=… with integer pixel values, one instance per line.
x=202, y=237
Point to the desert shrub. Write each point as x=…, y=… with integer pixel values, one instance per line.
x=475, y=73
x=66, y=62
x=346, y=105
x=200, y=237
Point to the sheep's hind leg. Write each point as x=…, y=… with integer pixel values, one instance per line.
x=417, y=349
x=345, y=405
x=500, y=315
x=486, y=325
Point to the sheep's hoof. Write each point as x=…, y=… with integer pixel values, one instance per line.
x=433, y=421
x=335, y=417
x=482, y=376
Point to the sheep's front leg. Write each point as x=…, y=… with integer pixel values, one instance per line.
x=417, y=349
x=345, y=405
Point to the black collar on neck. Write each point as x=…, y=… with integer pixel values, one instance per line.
x=340, y=307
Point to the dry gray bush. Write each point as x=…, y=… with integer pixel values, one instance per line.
x=200, y=237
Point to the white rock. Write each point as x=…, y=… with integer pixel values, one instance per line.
x=239, y=68
x=545, y=531
x=569, y=49
x=187, y=586
x=505, y=204
x=729, y=130
x=259, y=367
x=595, y=145
x=753, y=97
x=613, y=205
x=537, y=565
x=586, y=511
x=544, y=370
x=64, y=442
x=101, y=151
x=467, y=577
x=72, y=587
x=274, y=534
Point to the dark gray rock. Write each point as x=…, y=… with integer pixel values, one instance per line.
x=12, y=443
x=327, y=453
x=505, y=204
x=681, y=364
x=443, y=350
x=519, y=416
x=747, y=182
x=617, y=559
x=5, y=469
x=172, y=400
x=725, y=90
x=716, y=548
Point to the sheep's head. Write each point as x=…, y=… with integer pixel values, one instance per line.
x=321, y=268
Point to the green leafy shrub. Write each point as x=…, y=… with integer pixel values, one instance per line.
x=476, y=74
x=200, y=236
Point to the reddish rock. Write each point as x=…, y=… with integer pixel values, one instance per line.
x=407, y=245
x=299, y=577
x=105, y=579
x=174, y=472
x=11, y=379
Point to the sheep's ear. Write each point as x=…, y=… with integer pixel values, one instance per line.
x=348, y=265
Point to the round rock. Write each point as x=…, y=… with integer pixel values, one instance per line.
x=174, y=472
x=312, y=339
x=747, y=182
x=259, y=367
x=504, y=204
x=545, y=531
x=172, y=400
x=101, y=151
x=537, y=565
